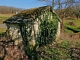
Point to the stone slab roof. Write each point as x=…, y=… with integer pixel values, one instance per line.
x=28, y=15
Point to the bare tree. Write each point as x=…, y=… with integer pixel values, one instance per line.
x=62, y=6
x=9, y=10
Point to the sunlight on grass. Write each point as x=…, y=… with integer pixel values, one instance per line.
x=2, y=30
x=75, y=23
x=4, y=17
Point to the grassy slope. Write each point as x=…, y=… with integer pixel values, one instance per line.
x=69, y=35
x=75, y=23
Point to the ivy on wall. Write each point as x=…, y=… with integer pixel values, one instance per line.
x=48, y=29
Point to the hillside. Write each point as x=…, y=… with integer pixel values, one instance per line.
x=71, y=30
x=9, y=10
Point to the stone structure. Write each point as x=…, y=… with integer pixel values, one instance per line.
x=28, y=26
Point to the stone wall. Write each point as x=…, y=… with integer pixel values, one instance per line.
x=14, y=33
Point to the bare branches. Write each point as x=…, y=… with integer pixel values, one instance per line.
x=9, y=10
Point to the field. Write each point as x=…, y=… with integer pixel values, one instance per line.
x=72, y=23
x=3, y=17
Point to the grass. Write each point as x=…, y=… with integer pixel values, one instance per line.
x=4, y=17
x=72, y=28
x=60, y=51
x=73, y=24
x=2, y=30
x=75, y=21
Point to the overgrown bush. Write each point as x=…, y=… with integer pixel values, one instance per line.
x=48, y=29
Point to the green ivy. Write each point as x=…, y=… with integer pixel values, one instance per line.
x=48, y=29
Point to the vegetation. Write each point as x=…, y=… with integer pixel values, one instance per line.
x=74, y=29
x=2, y=30
x=57, y=51
x=9, y=10
x=4, y=17
x=47, y=29
x=66, y=8
x=71, y=25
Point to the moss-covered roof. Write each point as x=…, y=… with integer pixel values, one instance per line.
x=27, y=15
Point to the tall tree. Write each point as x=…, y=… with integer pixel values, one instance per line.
x=59, y=5
x=62, y=6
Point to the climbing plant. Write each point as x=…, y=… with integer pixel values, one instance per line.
x=48, y=28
